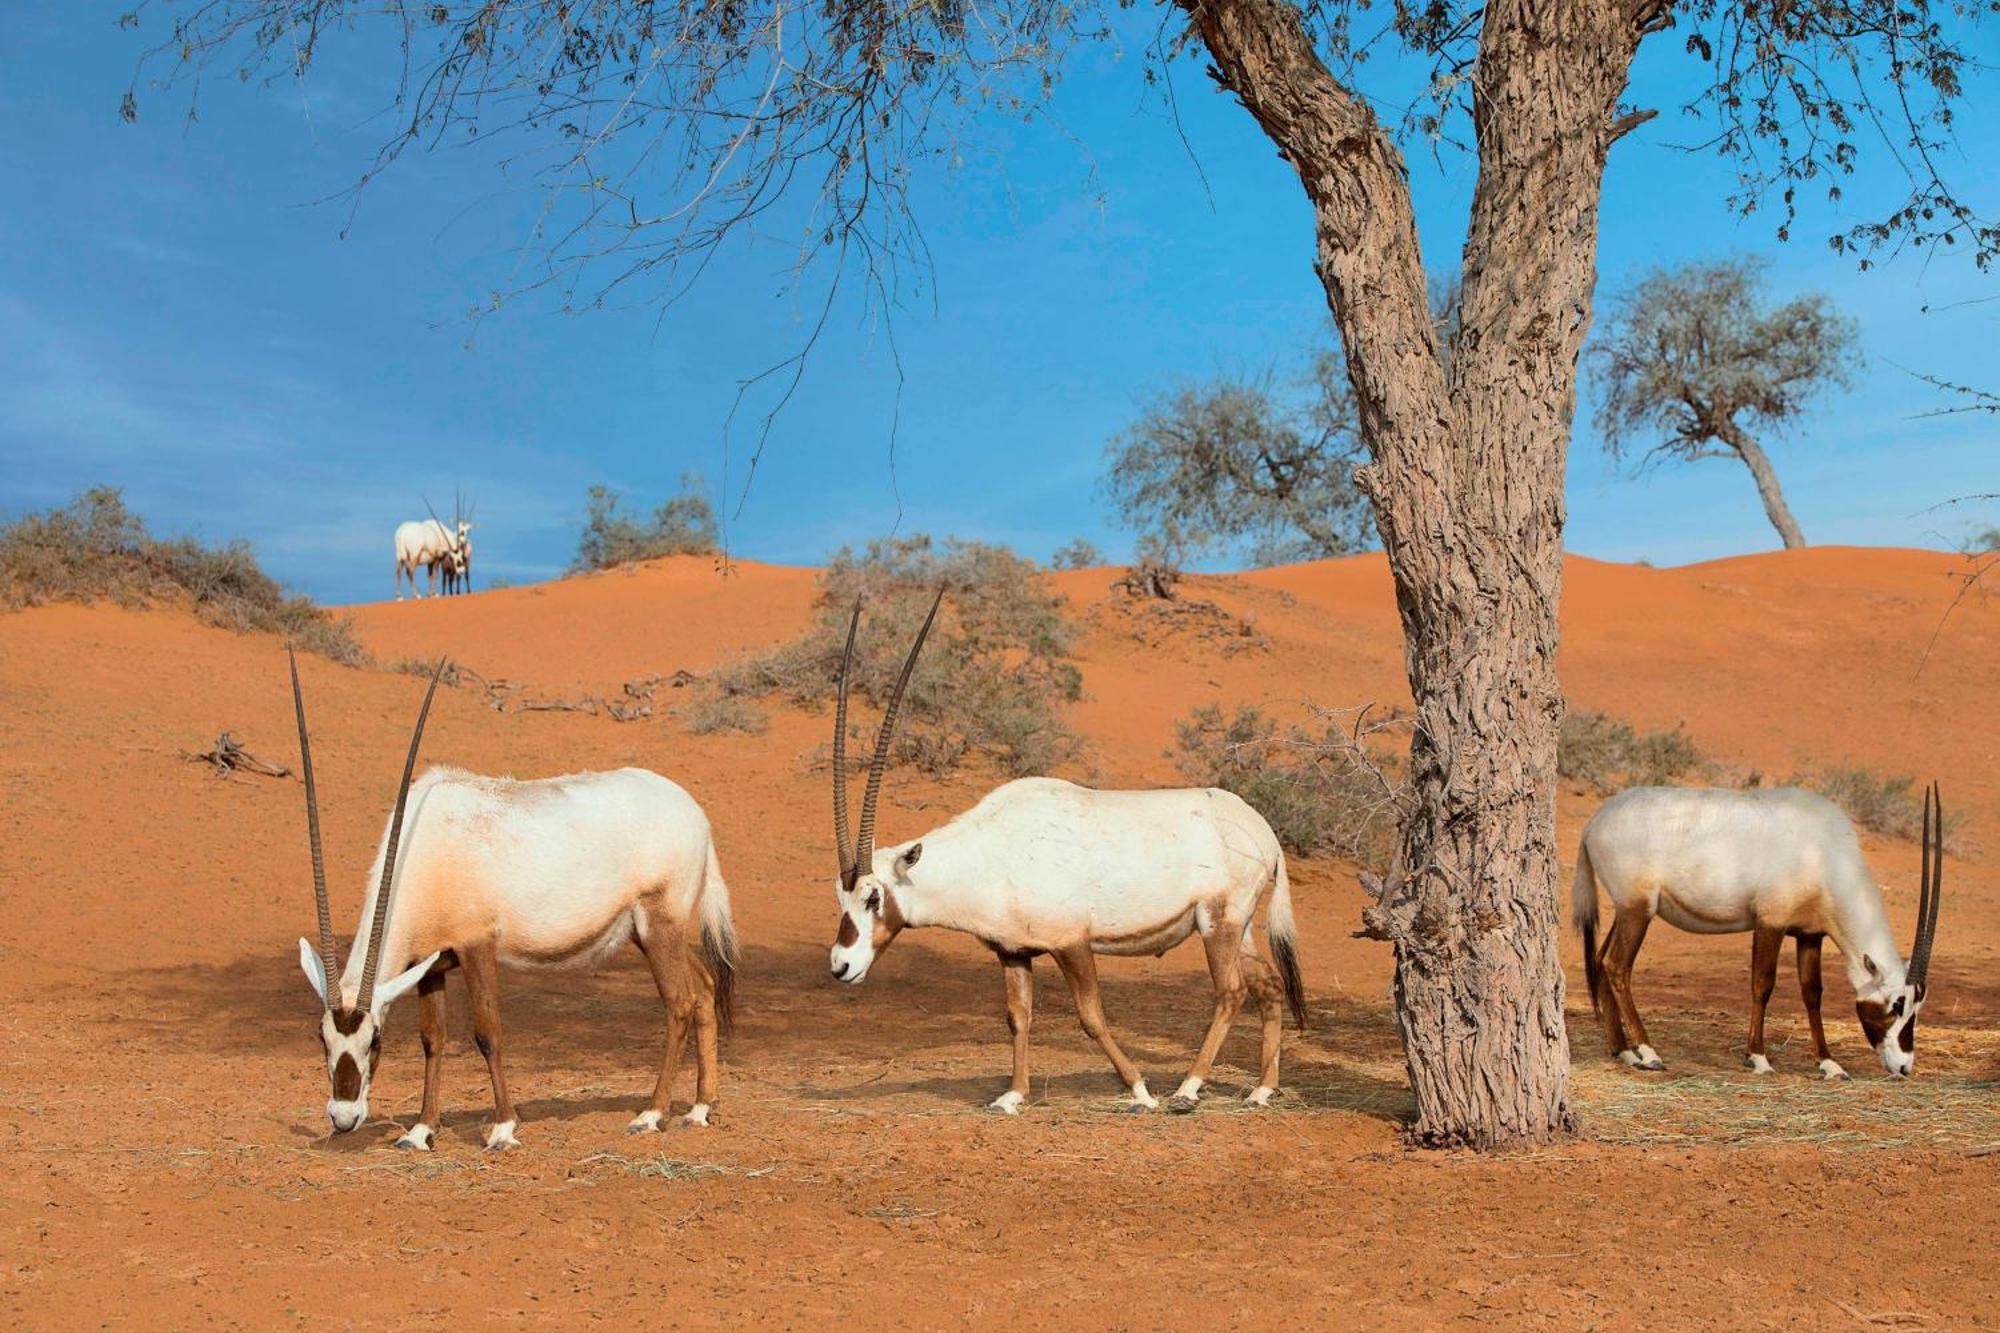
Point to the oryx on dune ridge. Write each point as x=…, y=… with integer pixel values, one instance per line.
x=1773, y=863
x=1041, y=866
x=435, y=545
x=478, y=872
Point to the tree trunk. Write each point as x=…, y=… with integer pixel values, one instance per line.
x=1467, y=485
x=1759, y=463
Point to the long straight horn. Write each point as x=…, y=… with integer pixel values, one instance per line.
x=373, y=958
x=1931, y=891
x=328, y=963
x=843, y=840
x=864, y=845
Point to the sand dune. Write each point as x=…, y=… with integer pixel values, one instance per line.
x=158, y=1077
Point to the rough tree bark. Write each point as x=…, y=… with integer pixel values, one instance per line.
x=1768, y=491
x=1466, y=480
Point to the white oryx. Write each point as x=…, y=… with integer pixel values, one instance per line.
x=556, y=873
x=1774, y=863
x=434, y=544
x=1041, y=866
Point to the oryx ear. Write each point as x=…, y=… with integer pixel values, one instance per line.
x=909, y=857
x=309, y=964
x=388, y=992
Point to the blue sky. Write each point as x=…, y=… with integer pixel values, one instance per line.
x=180, y=317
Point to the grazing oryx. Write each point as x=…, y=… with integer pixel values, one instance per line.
x=549, y=874
x=1775, y=863
x=1042, y=866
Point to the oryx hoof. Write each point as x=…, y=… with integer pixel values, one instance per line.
x=1760, y=1065
x=416, y=1139
x=1181, y=1105
x=1007, y=1103
x=697, y=1117
x=1831, y=1072
x=1260, y=1097
x=646, y=1122
x=500, y=1138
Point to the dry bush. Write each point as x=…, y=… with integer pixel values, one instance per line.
x=712, y=712
x=1610, y=754
x=1890, y=806
x=684, y=525
x=95, y=548
x=994, y=676
x=1321, y=792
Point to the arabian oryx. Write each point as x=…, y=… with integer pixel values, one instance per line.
x=435, y=545
x=1773, y=863
x=1041, y=866
x=458, y=567
x=555, y=873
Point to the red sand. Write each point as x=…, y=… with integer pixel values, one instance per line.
x=160, y=1092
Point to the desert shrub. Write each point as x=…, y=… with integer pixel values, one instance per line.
x=1077, y=553
x=1320, y=791
x=993, y=678
x=1610, y=754
x=1981, y=541
x=612, y=536
x=713, y=711
x=95, y=548
x=1891, y=806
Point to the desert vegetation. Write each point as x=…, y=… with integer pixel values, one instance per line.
x=1252, y=468
x=1320, y=788
x=1608, y=754
x=1892, y=806
x=96, y=549
x=612, y=535
x=997, y=671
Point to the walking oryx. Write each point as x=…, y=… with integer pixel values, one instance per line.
x=1041, y=866
x=556, y=873
x=1774, y=863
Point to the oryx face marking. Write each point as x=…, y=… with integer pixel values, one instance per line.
x=352, y=1043
x=1891, y=1027
x=869, y=920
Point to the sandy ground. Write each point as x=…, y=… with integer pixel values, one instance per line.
x=161, y=1093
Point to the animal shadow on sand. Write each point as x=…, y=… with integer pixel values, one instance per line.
x=797, y=1032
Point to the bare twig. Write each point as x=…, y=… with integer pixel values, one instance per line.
x=228, y=756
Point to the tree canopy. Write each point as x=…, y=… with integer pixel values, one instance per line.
x=1235, y=466
x=1694, y=362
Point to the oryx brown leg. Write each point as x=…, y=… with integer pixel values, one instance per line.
x=482, y=981
x=665, y=954
x=1269, y=993
x=1079, y=968
x=430, y=1026
x=1224, y=946
x=1764, y=946
x=1809, y=991
x=1628, y=934
x=1018, y=971
x=1606, y=1002
x=705, y=1055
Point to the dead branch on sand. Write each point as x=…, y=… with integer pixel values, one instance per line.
x=228, y=756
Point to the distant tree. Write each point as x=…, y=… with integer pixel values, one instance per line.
x=1233, y=465
x=684, y=525
x=1693, y=364
x=1077, y=553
